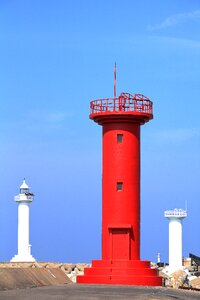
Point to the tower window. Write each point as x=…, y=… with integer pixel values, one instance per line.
x=119, y=186
x=24, y=191
x=119, y=137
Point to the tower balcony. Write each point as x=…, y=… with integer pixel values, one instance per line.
x=176, y=213
x=137, y=108
x=23, y=197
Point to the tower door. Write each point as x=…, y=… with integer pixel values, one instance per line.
x=120, y=243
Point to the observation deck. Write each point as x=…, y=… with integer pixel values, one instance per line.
x=136, y=108
x=24, y=198
x=176, y=213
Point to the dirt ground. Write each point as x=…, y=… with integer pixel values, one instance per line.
x=98, y=292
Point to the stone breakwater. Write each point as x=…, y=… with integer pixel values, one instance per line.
x=26, y=275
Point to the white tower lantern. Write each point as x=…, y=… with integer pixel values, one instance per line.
x=175, y=238
x=24, y=248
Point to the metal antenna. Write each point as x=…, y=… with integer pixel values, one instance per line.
x=115, y=81
x=186, y=205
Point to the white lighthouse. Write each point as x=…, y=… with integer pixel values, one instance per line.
x=24, y=248
x=175, y=238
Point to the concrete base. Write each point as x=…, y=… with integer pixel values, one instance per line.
x=127, y=272
x=168, y=271
x=27, y=258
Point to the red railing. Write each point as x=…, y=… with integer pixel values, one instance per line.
x=124, y=103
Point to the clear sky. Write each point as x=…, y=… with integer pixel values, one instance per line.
x=57, y=56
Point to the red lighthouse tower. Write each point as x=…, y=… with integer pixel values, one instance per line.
x=120, y=118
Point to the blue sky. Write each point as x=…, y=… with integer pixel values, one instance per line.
x=57, y=56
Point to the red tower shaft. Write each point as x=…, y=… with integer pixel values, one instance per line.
x=121, y=191
x=121, y=119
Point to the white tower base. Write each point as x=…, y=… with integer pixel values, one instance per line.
x=169, y=271
x=18, y=258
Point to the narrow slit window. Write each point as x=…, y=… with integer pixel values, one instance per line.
x=119, y=137
x=119, y=186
